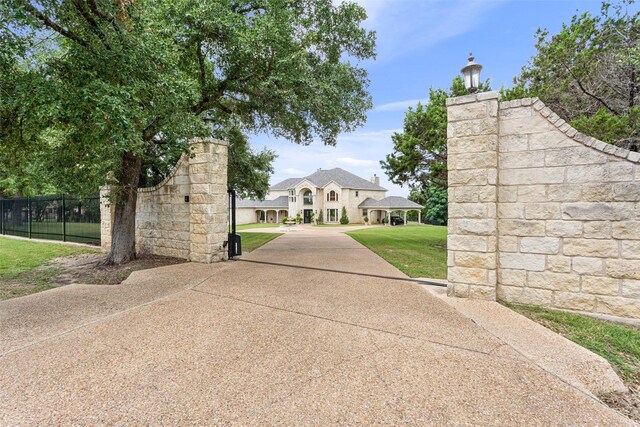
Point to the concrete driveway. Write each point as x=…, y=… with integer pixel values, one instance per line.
x=331, y=335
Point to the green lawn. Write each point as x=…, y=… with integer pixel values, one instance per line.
x=416, y=250
x=20, y=257
x=619, y=344
x=252, y=241
x=257, y=225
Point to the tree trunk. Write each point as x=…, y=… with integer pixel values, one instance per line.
x=123, y=232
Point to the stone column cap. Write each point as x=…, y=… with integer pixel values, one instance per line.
x=474, y=97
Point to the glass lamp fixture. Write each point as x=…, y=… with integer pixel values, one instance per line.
x=471, y=74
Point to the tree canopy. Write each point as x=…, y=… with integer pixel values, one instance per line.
x=419, y=156
x=590, y=69
x=103, y=87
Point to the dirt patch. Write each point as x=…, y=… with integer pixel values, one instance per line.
x=87, y=268
x=84, y=268
x=625, y=403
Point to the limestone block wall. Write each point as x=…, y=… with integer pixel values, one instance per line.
x=565, y=218
x=473, y=160
x=167, y=224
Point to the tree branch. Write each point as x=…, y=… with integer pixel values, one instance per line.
x=54, y=26
x=586, y=92
x=94, y=9
x=201, y=65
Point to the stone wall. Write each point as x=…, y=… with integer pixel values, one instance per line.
x=540, y=214
x=167, y=224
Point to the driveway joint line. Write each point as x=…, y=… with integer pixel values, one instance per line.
x=107, y=317
x=354, y=273
x=369, y=328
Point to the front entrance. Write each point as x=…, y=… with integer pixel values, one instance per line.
x=307, y=216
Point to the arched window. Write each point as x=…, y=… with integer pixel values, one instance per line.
x=308, y=197
x=332, y=196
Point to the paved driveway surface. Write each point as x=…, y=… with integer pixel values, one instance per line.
x=333, y=335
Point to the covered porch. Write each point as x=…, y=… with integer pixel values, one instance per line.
x=271, y=216
x=380, y=210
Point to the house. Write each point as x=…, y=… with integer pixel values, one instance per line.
x=325, y=191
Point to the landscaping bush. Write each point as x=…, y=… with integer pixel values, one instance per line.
x=320, y=218
x=344, y=219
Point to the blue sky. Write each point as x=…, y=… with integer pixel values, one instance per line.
x=424, y=43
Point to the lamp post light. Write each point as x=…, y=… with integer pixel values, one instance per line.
x=209, y=120
x=471, y=74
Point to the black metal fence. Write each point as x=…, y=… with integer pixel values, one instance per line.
x=63, y=217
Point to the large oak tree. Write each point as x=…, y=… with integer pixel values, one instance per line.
x=101, y=85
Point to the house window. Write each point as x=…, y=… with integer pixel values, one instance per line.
x=332, y=215
x=332, y=196
x=364, y=212
x=356, y=193
x=308, y=198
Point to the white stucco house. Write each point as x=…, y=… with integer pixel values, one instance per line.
x=327, y=191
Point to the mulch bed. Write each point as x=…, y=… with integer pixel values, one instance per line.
x=89, y=269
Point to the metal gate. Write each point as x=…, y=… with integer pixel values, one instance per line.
x=234, y=246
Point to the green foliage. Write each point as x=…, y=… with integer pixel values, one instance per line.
x=248, y=171
x=518, y=91
x=437, y=205
x=298, y=218
x=365, y=219
x=344, y=219
x=609, y=127
x=320, y=220
x=419, y=156
x=591, y=64
x=86, y=85
x=434, y=200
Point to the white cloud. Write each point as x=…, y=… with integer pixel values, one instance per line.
x=292, y=171
x=408, y=25
x=400, y=105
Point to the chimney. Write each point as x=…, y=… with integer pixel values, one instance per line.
x=375, y=179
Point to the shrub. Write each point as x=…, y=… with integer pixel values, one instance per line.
x=320, y=218
x=298, y=218
x=365, y=219
x=344, y=219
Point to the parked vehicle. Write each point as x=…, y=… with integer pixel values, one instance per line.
x=396, y=220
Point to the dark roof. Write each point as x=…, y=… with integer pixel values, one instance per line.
x=286, y=184
x=279, y=202
x=391, y=202
x=322, y=177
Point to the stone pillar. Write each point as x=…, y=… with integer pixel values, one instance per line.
x=208, y=201
x=405, y=218
x=472, y=150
